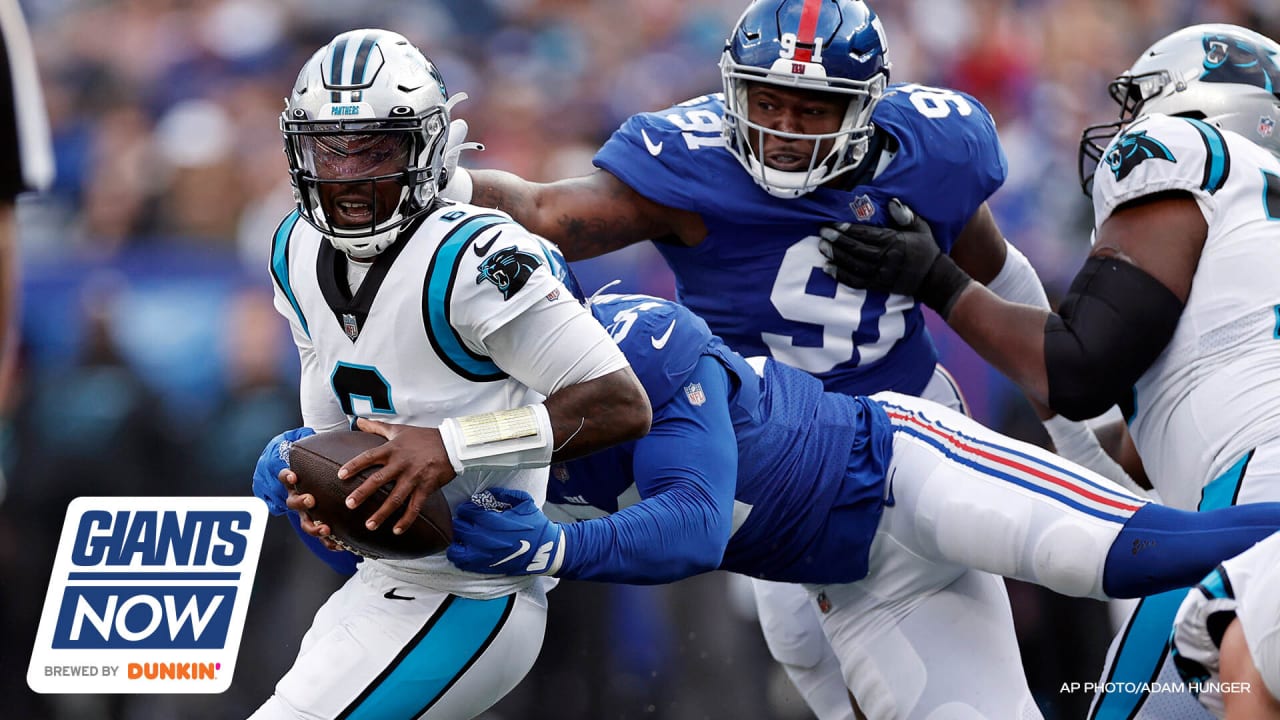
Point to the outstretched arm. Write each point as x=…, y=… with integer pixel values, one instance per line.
x=685, y=470
x=586, y=216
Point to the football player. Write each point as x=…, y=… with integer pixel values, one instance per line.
x=1226, y=637
x=1174, y=315
x=874, y=502
x=407, y=307
x=733, y=188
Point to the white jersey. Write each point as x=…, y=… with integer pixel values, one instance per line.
x=1246, y=587
x=410, y=346
x=1210, y=396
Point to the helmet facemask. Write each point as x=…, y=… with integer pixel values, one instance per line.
x=845, y=147
x=355, y=162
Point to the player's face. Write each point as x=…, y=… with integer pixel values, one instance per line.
x=788, y=110
x=354, y=157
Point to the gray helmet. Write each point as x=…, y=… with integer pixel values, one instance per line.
x=1225, y=75
x=368, y=92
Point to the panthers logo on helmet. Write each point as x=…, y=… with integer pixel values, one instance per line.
x=1235, y=60
x=508, y=269
x=1132, y=149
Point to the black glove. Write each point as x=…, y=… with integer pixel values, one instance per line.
x=904, y=259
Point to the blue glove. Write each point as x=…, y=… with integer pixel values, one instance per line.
x=502, y=532
x=266, y=482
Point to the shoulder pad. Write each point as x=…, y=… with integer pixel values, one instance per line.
x=946, y=139
x=1156, y=154
x=661, y=339
x=674, y=157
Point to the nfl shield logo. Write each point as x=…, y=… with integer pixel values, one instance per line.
x=824, y=604
x=863, y=208
x=560, y=472
x=1266, y=126
x=350, y=325
x=693, y=391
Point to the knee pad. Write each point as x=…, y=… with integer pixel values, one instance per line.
x=1069, y=558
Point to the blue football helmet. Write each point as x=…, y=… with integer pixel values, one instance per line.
x=367, y=97
x=1225, y=75
x=834, y=46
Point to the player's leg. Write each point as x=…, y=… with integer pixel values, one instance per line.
x=386, y=649
x=920, y=640
x=795, y=639
x=980, y=499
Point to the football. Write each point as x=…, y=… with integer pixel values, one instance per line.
x=316, y=459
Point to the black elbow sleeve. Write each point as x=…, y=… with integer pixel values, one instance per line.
x=1114, y=322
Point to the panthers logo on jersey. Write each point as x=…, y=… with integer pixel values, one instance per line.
x=1234, y=60
x=508, y=269
x=1132, y=149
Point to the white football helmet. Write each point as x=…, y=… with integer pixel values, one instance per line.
x=1225, y=75
x=367, y=97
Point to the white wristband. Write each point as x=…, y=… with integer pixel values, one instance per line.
x=507, y=439
x=460, y=187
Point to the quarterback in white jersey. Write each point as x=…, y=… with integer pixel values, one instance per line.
x=1175, y=313
x=1226, y=639
x=410, y=309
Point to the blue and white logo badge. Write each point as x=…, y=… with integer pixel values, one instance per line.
x=148, y=595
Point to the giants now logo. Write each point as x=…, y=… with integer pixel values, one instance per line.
x=144, y=583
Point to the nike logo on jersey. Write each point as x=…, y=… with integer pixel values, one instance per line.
x=524, y=548
x=482, y=250
x=654, y=149
x=391, y=595
x=661, y=342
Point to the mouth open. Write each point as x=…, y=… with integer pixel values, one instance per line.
x=787, y=159
x=351, y=211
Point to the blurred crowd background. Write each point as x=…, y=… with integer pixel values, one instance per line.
x=153, y=362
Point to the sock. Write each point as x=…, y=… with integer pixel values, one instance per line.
x=1160, y=548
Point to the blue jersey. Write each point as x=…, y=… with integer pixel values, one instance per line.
x=757, y=277
x=763, y=472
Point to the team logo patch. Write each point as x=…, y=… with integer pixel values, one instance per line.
x=1266, y=126
x=148, y=595
x=863, y=208
x=560, y=472
x=508, y=269
x=1132, y=149
x=693, y=391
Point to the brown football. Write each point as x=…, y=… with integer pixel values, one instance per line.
x=315, y=460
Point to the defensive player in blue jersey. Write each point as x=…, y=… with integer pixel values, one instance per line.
x=888, y=507
x=733, y=188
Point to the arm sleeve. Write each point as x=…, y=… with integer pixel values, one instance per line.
x=686, y=470
x=1017, y=280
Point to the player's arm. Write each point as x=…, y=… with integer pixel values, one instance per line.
x=586, y=216
x=1118, y=315
x=686, y=473
x=1237, y=670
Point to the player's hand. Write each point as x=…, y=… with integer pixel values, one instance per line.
x=413, y=459
x=315, y=535
x=274, y=458
x=903, y=259
x=502, y=532
x=456, y=185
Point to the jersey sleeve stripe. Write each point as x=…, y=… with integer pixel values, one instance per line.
x=441, y=276
x=1217, y=166
x=280, y=265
